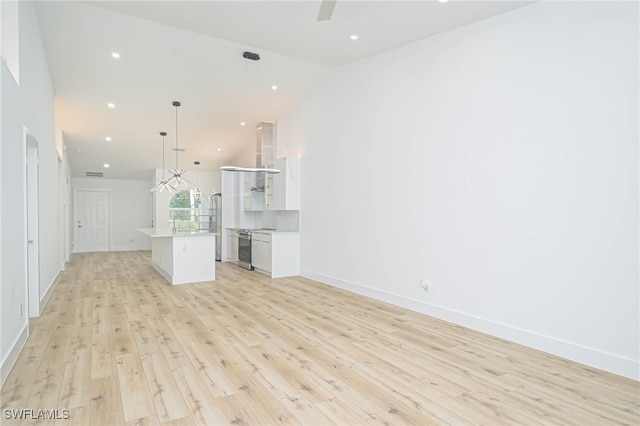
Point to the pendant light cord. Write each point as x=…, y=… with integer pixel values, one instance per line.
x=163, y=178
x=176, y=137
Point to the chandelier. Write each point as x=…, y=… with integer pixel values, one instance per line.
x=177, y=178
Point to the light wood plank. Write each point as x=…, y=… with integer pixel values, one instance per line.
x=202, y=405
x=164, y=389
x=78, y=416
x=47, y=387
x=105, y=406
x=117, y=345
x=134, y=390
x=103, y=361
x=214, y=370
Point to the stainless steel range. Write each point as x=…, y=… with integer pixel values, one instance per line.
x=244, y=246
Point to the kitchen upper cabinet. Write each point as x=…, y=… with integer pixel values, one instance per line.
x=276, y=254
x=283, y=189
x=253, y=191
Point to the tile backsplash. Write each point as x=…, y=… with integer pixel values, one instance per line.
x=282, y=220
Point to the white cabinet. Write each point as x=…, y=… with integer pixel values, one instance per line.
x=253, y=191
x=182, y=257
x=276, y=254
x=261, y=252
x=283, y=189
x=232, y=245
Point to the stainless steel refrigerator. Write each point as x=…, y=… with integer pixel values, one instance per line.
x=215, y=222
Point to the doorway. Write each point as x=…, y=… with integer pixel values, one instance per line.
x=32, y=228
x=93, y=223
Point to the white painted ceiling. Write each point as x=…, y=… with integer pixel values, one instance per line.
x=192, y=52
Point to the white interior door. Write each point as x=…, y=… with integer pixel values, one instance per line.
x=92, y=221
x=33, y=250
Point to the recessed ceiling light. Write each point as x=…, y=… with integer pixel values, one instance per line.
x=354, y=37
x=443, y=1
x=274, y=87
x=197, y=163
x=219, y=149
x=242, y=123
x=106, y=165
x=108, y=138
x=115, y=55
x=78, y=150
x=111, y=105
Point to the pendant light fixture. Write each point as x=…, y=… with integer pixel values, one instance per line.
x=258, y=169
x=250, y=169
x=164, y=183
x=178, y=173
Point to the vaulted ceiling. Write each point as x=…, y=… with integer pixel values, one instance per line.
x=192, y=52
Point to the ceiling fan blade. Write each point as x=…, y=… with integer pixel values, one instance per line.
x=326, y=10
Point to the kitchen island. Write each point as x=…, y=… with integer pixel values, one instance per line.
x=183, y=256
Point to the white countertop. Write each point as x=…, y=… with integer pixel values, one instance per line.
x=168, y=232
x=265, y=231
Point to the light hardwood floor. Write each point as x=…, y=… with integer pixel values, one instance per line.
x=117, y=345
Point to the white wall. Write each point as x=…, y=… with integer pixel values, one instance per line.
x=67, y=206
x=130, y=210
x=500, y=161
x=246, y=157
x=9, y=45
x=12, y=289
x=27, y=105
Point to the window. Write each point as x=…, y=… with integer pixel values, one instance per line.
x=187, y=212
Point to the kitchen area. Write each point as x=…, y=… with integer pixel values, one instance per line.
x=253, y=220
x=261, y=212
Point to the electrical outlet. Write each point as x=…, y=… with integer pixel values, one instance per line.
x=20, y=313
x=426, y=286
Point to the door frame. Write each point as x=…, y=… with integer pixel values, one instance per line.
x=75, y=215
x=32, y=284
x=63, y=217
x=66, y=212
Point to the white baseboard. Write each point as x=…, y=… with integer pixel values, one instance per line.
x=16, y=347
x=47, y=295
x=161, y=271
x=123, y=248
x=132, y=248
x=589, y=356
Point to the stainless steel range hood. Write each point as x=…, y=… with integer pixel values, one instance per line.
x=264, y=144
x=265, y=153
